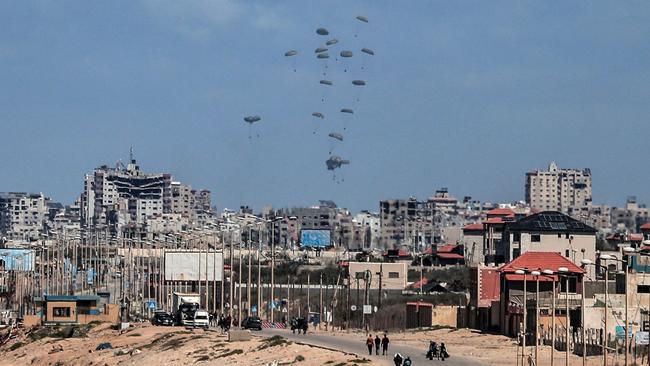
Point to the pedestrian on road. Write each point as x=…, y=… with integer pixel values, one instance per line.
x=370, y=342
x=384, y=344
x=397, y=359
x=377, y=344
x=407, y=361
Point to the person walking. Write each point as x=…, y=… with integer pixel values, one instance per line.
x=377, y=344
x=384, y=344
x=397, y=359
x=370, y=342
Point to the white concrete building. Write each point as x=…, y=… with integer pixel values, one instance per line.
x=558, y=189
x=23, y=216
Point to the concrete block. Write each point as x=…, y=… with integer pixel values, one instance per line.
x=239, y=335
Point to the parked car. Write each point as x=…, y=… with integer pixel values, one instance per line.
x=201, y=319
x=252, y=322
x=162, y=318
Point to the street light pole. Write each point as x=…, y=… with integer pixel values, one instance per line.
x=523, y=342
x=549, y=272
x=536, y=274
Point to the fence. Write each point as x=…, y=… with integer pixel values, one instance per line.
x=593, y=342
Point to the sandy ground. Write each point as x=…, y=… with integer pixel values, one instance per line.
x=488, y=348
x=148, y=345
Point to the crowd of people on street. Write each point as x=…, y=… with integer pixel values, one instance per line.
x=437, y=351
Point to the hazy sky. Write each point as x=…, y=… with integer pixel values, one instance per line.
x=467, y=95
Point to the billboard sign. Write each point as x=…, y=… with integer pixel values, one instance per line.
x=315, y=238
x=17, y=259
x=191, y=266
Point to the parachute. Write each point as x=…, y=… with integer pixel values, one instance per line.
x=345, y=54
x=347, y=117
x=317, y=115
x=335, y=162
x=368, y=51
x=323, y=55
x=252, y=119
x=324, y=91
x=322, y=32
x=358, y=82
x=332, y=41
x=293, y=61
x=336, y=135
x=362, y=18
x=320, y=49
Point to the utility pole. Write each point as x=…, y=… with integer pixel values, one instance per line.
x=272, y=295
x=320, y=297
x=248, y=280
x=232, y=272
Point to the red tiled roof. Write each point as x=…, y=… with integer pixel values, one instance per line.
x=545, y=278
x=645, y=226
x=447, y=248
x=450, y=256
x=420, y=283
x=635, y=237
x=473, y=227
x=494, y=220
x=501, y=212
x=540, y=261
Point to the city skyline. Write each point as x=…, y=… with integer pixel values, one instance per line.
x=489, y=96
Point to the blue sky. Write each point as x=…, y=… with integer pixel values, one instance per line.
x=467, y=95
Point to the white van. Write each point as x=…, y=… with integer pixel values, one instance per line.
x=201, y=319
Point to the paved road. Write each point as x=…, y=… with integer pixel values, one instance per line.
x=358, y=347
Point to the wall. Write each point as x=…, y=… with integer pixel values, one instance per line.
x=387, y=282
x=31, y=320
x=61, y=304
x=444, y=316
x=551, y=243
x=111, y=315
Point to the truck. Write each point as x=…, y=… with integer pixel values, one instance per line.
x=184, y=305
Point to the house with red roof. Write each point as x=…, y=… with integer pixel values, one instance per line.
x=645, y=231
x=445, y=255
x=549, y=231
x=518, y=291
x=484, y=290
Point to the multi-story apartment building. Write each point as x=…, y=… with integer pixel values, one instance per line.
x=558, y=189
x=126, y=196
x=23, y=216
x=406, y=222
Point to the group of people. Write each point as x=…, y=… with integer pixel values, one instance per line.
x=377, y=343
x=437, y=351
x=222, y=321
x=400, y=361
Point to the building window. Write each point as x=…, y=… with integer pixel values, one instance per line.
x=535, y=238
x=61, y=312
x=393, y=274
x=643, y=289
